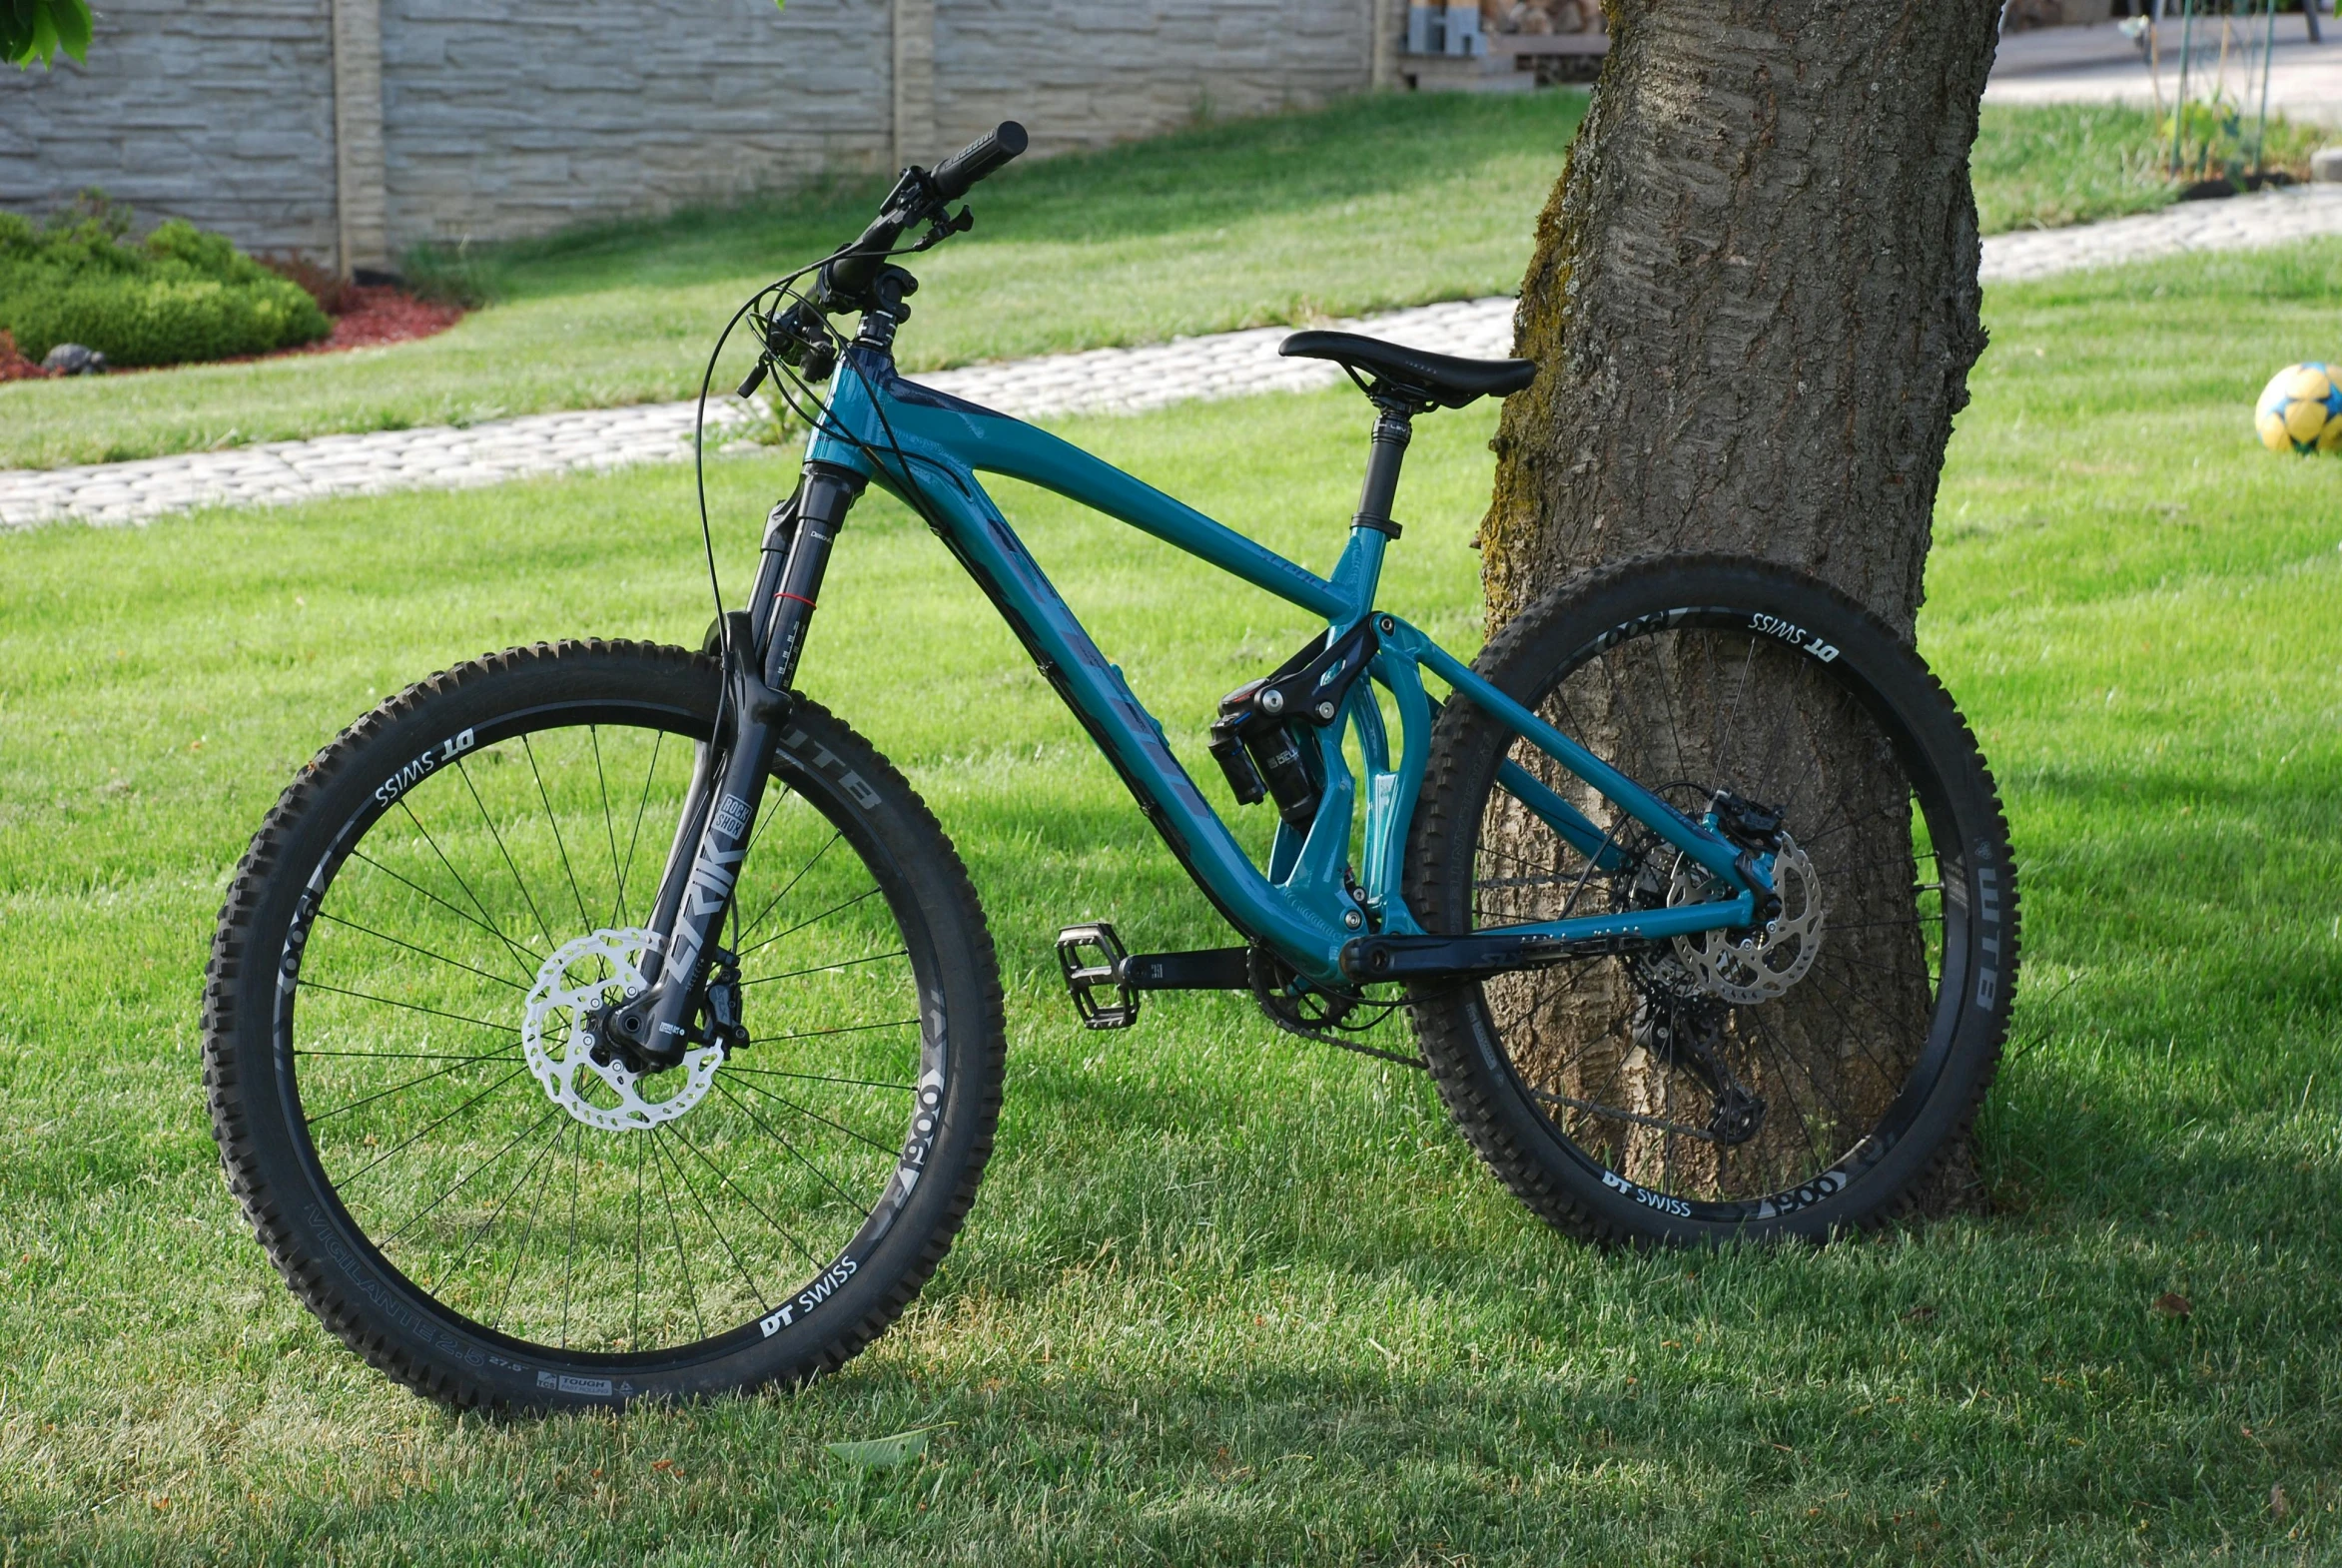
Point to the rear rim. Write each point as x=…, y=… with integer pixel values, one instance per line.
x=1705, y=1081
x=431, y=1023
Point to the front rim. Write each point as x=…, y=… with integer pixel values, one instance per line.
x=412, y=1030
x=1647, y=1070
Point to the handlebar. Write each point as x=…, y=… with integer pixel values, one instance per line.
x=918, y=197
x=985, y=154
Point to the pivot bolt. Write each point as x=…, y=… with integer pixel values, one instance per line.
x=1385, y=626
x=1325, y=710
x=1272, y=701
x=1352, y=919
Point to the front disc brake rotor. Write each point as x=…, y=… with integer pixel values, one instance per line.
x=588, y=1078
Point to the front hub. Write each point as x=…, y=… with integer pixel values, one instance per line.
x=581, y=1062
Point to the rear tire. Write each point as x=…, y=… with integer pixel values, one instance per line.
x=384, y=1066
x=1612, y=1093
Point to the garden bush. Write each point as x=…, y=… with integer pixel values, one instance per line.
x=180, y=294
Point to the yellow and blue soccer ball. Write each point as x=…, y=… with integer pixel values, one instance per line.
x=2301, y=410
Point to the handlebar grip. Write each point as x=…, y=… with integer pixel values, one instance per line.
x=985, y=154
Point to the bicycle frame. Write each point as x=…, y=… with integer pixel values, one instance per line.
x=928, y=448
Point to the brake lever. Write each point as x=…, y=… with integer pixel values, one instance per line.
x=942, y=226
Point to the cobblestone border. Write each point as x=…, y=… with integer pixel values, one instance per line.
x=1099, y=381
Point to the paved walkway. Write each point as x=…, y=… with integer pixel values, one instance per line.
x=2068, y=65
x=1225, y=365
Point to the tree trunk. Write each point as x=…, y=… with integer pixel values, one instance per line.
x=1754, y=300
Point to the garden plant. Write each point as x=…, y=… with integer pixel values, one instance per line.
x=180, y=294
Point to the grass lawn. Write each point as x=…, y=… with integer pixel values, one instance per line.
x=2049, y=165
x=1229, y=1297
x=1366, y=205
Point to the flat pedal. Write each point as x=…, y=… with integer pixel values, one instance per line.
x=1093, y=959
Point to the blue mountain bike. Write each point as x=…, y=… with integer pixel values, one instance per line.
x=596, y=1021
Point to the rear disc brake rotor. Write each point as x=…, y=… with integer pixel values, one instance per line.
x=1748, y=967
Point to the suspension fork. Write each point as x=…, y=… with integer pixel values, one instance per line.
x=761, y=647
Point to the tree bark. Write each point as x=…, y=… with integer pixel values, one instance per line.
x=1754, y=297
x=1753, y=303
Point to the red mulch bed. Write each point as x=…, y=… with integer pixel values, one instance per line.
x=371, y=317
x=15, y=367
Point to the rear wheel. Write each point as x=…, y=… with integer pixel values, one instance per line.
x=1804, y=1075
x=403, y=1080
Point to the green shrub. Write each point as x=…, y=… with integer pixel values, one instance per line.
x=182, y=294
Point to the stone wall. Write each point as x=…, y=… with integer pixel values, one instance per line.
x=498, y=122
x=514, y=120
x=1080, y=74
x=217, y=111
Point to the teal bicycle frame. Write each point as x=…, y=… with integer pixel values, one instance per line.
x=927, y=449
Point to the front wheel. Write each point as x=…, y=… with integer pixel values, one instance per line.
x=1809, y=1075
x=413, y=1107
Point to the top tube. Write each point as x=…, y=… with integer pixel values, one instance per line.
x=871, y=404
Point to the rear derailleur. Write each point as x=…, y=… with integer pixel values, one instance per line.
x=1690, y=1034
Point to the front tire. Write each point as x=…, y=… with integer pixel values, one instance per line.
x=1791, y=1082
x=395, y=1052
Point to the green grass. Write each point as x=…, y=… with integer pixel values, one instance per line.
x=1363, y=206
x=1366, y=205
x=2049, y=165
x=1226, y=1298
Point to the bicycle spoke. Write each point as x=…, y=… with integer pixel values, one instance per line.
x=682, y=1260
x=788, y=888
x=650, y=773
x=366, y=1100
x=755, y=1207
x=441, y=957
x=467, y=1181
x=552, y=821
x=519, y=880
x=722, y=1239
x=834, y=909
x=749, y=1111
x=819, y=1078
x=531, y=959
x=497, y=1213
x=842, y=1028
x=573, y=1131
x=825, y=969
x=436, y=1126
x=759, y=1089
x=411, y=1007
x=527, y=971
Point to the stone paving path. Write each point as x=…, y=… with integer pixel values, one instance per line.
x=1223, y=364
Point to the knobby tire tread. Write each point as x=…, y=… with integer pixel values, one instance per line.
x=230, y=951
x=1435, y=831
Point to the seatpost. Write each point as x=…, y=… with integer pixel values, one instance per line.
x=1393, y=427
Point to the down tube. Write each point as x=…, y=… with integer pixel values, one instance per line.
x=1129, y=736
